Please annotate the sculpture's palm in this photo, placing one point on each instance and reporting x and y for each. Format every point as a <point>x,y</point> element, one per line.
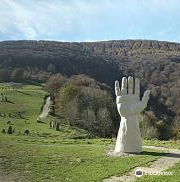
<point>127,99</point>
<point>126,104</point>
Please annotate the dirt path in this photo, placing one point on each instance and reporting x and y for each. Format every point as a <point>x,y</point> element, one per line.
<point>161,164</point>
<point>46,109</point>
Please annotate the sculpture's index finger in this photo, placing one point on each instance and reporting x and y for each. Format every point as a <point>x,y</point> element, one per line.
<point>124,85</point>
<point>137,87</point>
<point>117,88</point>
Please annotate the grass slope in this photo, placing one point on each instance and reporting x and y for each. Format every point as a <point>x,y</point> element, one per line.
<point>29,101</point>
<point>54,156</point>
<point>68,160</point>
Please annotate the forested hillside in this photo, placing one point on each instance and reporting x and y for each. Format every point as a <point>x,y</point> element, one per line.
<point>157,64</point>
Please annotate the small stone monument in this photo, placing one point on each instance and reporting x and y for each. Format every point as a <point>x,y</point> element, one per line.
<point>10,130</point>
<point>129,107</point>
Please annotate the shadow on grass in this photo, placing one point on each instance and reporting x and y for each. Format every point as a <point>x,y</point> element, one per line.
<point>154,153</point>
<point>23,93</point>
<point>168,154</point>
<point>175,155</point>
<point>7,101</point>
<point>10,102</point>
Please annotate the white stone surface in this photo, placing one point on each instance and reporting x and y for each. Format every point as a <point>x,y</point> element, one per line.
<point>129,107</point>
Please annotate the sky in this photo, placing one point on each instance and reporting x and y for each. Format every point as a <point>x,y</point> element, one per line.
<point>89,20</point>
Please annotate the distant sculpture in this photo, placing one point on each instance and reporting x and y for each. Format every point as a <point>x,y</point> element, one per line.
<point>129,107</point>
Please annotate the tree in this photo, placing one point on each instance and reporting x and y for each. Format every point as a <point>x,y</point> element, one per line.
<point>54,83</point>
<point>4,75</point>
<point>17,74</point>
<point>51,68</point>
<point>84,104</point>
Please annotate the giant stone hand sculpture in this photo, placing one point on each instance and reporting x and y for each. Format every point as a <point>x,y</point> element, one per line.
<point>129,107</point>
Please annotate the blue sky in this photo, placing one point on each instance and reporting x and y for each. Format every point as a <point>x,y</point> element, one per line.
<point>90,20</point>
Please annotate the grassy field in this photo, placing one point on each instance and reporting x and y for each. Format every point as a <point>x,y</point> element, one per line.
<point>56,156</point>
<point>29,101</point>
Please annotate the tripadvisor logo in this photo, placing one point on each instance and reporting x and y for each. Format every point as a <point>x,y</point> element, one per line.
<point>139,173</point>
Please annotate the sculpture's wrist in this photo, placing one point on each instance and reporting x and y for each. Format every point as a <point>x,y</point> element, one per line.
<point>128,118</point>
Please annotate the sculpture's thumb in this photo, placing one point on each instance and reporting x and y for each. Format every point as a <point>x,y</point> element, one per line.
<point>145,98</point>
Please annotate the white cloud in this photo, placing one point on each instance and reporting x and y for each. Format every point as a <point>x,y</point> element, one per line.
<point>78,20</point>
<point>43,18</point>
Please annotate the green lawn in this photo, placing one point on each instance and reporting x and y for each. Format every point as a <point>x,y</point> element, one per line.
<point>66,160</point>
<point>170,143</point>
<point>56,156</point>
<point>29,101</point>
